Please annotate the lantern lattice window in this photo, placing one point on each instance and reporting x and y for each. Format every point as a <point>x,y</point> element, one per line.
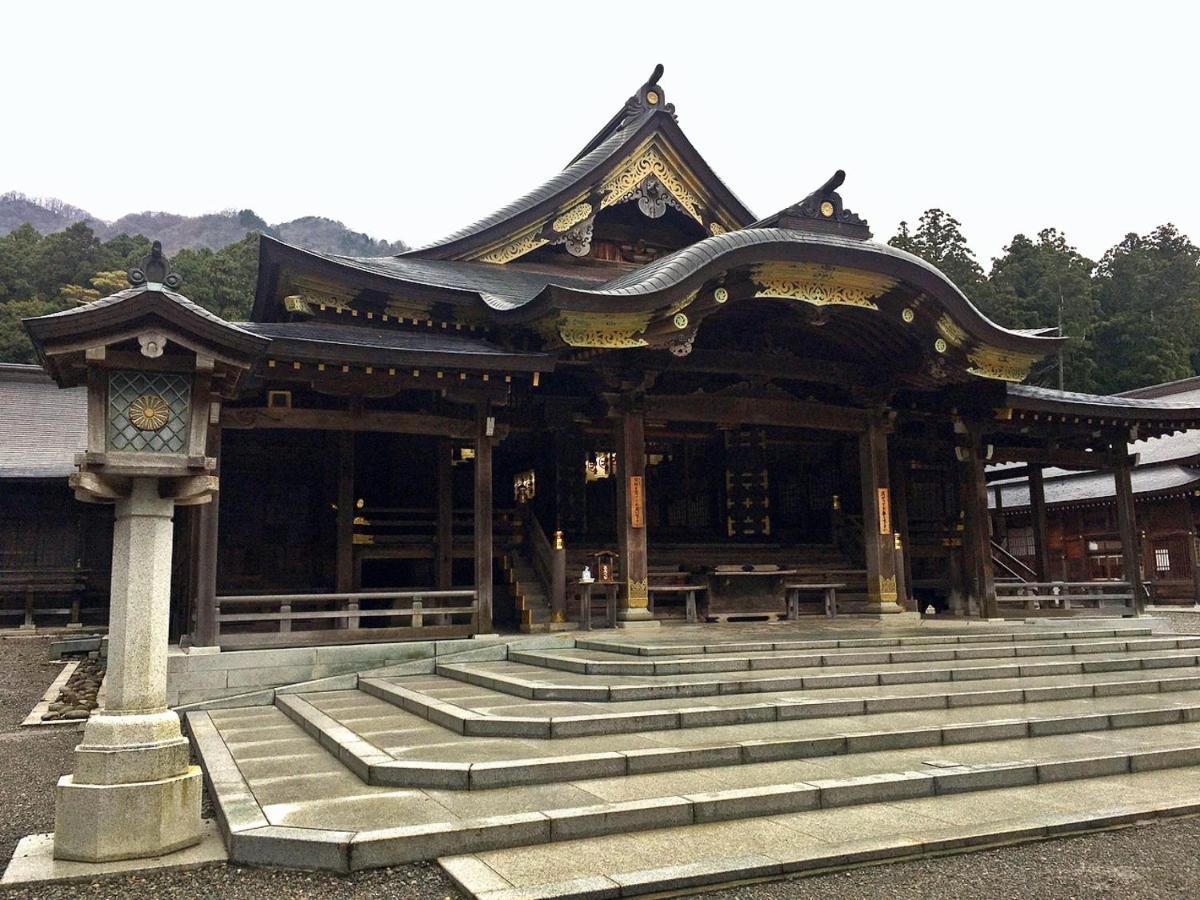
<point>148,412</point>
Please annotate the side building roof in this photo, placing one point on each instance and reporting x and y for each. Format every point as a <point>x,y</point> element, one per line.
<point>42,427</point>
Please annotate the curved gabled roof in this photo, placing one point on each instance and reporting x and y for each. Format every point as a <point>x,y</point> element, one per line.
<point>658,284</point>
<point>499,287</point>
<point>645,115</point>
<point>57,337</point>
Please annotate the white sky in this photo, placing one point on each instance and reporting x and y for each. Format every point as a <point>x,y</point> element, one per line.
<point>410,120</point>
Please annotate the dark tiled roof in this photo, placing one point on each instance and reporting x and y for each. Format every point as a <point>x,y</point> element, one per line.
<point>384,346</point>
<point>501,287</point>
<point>1097,486</point>
<point>1183,389</point>
<point>42,426</point>
<point>673,268</point>
<point>1169,447</point>
<point>636,120</point>
<point>576,172</point>
<point>113,299</point>
<point>1048,397</point>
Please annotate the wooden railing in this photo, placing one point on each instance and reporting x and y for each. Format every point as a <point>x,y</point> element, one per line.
<point>1065,598</point>
<point>549,562</point>
<point>1011,565</point>
<point>42,591</point>
<point>270,620</point>
<point>385,525</point>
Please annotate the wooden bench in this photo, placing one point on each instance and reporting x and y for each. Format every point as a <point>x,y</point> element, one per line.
<point>829,590</point>
<point>674,581</point>
<point>47,584</point>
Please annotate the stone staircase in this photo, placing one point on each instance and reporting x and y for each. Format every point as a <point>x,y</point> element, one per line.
<point>530,600</point>
<point>701,755</point>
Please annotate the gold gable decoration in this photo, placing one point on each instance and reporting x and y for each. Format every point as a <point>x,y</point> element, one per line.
<point>572,217</point>
<point>820,285</point>
<point>951,331</point>
<point>519,247</point>
<point>988,362</point>
<point>650,162</point>
<point>613,331</point>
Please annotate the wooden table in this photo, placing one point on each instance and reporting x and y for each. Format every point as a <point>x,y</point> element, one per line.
<point>739,592</point>
<point>794,588</point>
<point>585,603</point>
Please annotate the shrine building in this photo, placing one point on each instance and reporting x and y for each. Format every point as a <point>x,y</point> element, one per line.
<point>624,369</point>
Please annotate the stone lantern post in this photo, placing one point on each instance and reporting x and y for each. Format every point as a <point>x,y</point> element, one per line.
<point>156,367</point>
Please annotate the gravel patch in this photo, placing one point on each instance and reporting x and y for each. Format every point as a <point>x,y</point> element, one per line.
<point>33,758</point>
<point>422,881</point>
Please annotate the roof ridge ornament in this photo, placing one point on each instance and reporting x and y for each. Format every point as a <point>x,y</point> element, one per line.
<point>154,270</point>
<point>822,210</point>
<point>649,97</point>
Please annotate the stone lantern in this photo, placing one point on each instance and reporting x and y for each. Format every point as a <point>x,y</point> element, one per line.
<point>156,367</point>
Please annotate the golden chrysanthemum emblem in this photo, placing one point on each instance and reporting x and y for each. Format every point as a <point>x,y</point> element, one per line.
<point>149,412</point>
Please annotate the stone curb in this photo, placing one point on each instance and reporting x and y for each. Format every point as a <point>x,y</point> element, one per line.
<point>633,649</point>
<point>533,690</point>
<point>468,722</point>
<point>728,663</point>
<point>476,879</point>
<point>374,766</point>
<point>34,719</point>
<point>233,801</point>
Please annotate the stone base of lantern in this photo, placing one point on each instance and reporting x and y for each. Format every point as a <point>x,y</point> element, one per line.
<point>106,822</point>
<point>133,793</point>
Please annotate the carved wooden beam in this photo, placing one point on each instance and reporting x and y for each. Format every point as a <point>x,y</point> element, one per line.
<point>347,420</point>
<point>755,411</point>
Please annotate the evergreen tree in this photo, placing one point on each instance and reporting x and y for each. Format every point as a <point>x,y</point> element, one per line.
<point>17,250</point>
<point>222,281</point>
<point>71,256</point>
<point>939,240</point>
<point>1148,296</point>
<point>1036,282</point>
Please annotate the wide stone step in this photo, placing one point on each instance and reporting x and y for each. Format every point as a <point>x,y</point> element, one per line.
<point>975,635</point>
<point>591,662</point>
<point>535,683</point>
<point>386,745</point>
<point>282,800</point>
<point>708,855</point>
<point>483,712</point>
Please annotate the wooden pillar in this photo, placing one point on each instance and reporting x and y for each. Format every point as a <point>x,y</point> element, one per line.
<point>483,520</point>
<point>444,562</point>
<point>345,512</point>
<point>878,534</point>
<point>977,534</point>
<point>1127,526</point>
<point>898,473</point>
<point>1194,563</point>
<point>634,600</point>
<point>1037,512</point>
<point>208,632</point>
<point>999,524</point>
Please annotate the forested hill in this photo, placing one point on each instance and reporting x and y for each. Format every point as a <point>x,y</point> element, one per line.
<point>211,231</point>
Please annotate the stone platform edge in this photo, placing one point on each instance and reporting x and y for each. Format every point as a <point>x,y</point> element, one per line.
<point>478,880</point>
<point>252,839</point>
<point>211,680</point>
